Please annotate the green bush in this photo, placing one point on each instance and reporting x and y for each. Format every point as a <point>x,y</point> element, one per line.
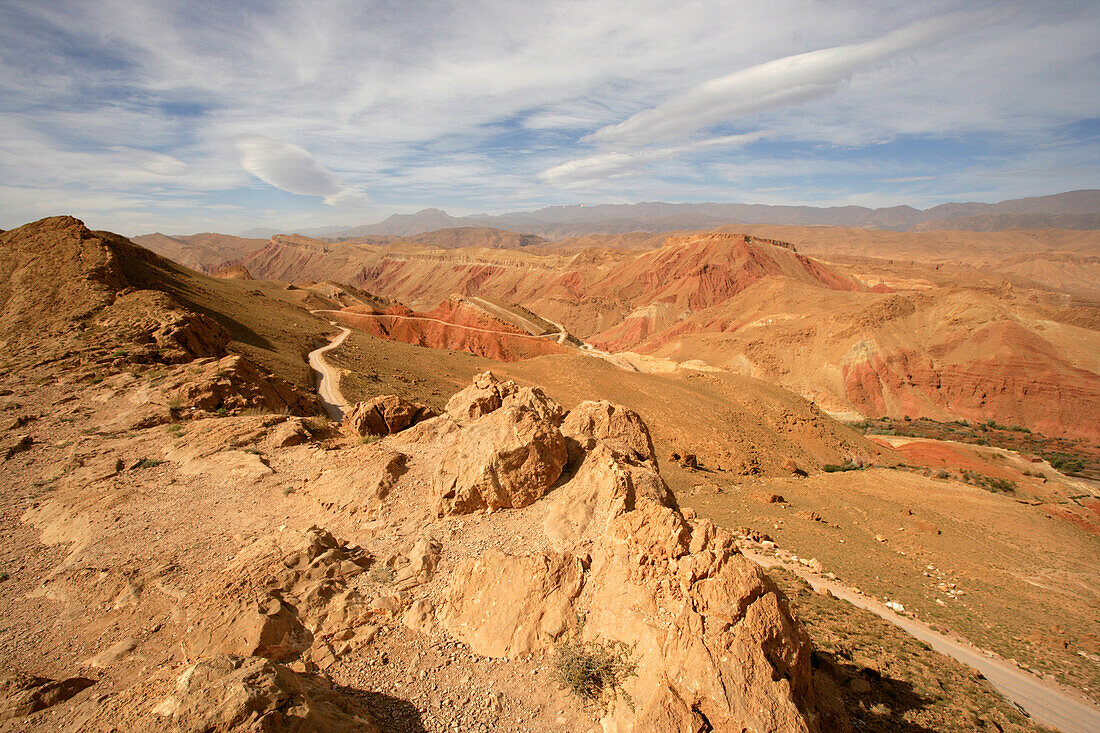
<point>594,670</point>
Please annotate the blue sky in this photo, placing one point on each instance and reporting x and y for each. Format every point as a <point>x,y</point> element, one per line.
<point>181,117</point>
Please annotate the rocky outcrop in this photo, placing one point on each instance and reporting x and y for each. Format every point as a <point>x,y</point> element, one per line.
<point>505,459</point>
<point>233,383</point>
<point>607,484</point>
<point>711,641</point>
<point>384,415</point>
<point>590,423</point>
<point>230,694</point>
<point>487,393</point>
<point>152,318</point>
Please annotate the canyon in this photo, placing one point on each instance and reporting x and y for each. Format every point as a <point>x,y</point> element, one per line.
<point>543,458</point>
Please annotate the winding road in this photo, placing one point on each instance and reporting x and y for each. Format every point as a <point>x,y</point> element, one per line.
<point>327,377</point>
<point>1045,702</point>
<point>445,323</point>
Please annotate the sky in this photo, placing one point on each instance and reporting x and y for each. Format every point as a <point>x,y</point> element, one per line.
<point>180,117</point>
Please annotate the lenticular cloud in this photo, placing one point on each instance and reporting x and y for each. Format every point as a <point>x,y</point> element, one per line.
<point>290,168</point>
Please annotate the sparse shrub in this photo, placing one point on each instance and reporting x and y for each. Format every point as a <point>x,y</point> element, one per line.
<point>223,411</point>
<point>148,463</point>
<point>989,483</point>
<point>381,574</point>
<point>1064,463</point>
<point>288,490</point>
<point>594,670</point>
<point>943,474</point>
<point>119,353</point>
<point>368,439</point>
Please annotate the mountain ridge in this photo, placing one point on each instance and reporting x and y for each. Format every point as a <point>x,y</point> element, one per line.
<point>1071,209</point>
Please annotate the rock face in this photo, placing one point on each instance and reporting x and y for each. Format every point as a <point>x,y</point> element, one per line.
<point>505,459</point>
<point>384,415</point>
<point>507,606</point>
<point>22,694</point>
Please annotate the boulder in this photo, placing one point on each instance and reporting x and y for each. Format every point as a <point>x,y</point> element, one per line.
<point>384,415</point>
<point>422,560</point>
<point>507,606</point>
<point>592,422</point>
<point>792,467</point>
<point>289,433</point>
<point>485,395</point>
<point>508,458</point>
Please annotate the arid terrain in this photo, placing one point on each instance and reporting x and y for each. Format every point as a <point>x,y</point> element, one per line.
<point>577,485</point>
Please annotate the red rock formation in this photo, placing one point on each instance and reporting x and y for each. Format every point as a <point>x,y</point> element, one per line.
<point>454,324</point>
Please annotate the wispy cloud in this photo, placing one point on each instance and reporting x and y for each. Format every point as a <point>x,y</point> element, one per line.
<point>780,83</point>
<point>215,115</point>
<point>609,165</point>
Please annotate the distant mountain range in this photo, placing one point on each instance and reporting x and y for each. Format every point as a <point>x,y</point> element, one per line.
<point>1070,210</point>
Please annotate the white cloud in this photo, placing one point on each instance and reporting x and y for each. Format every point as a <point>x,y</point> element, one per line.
<point>610,165</point>
<point>780,83</point>
<point>463,103</point>
<point>292,169</point>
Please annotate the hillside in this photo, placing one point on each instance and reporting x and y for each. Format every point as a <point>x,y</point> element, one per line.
<point>740,303</point>
<point>204,252</point>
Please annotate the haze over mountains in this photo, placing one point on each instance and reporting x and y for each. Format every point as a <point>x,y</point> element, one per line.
<point>1070,210</point>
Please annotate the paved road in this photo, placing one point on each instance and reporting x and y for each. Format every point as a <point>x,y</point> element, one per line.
<point>328,377</point>
<point>1046,702</point>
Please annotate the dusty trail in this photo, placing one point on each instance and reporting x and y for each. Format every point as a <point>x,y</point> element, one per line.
<point>445,323</point>
<point>328,377</point>
<point>1046,702</point>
